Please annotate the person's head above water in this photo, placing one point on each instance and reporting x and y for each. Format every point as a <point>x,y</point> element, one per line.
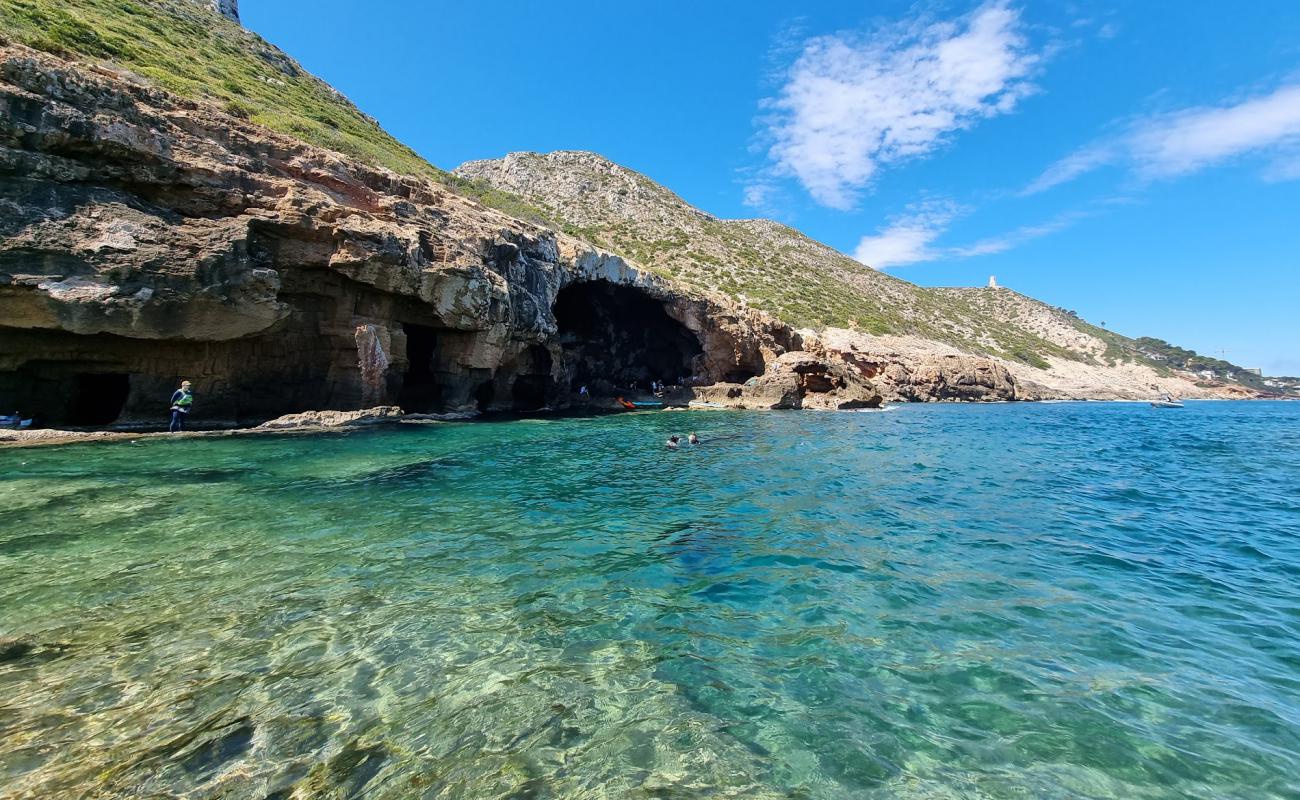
<point>693,439</point>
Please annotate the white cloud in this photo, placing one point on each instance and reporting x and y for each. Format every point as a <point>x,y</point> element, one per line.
<point>758,193</point>
<point>852,103</point>
<point>1190,140</point>
<point>907,238</point>
<point>1179,143</point>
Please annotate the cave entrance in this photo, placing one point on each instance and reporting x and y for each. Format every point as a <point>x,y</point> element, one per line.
<point>532,387</point>
<point>98,398</point>
<point>618,336</point>
<point>65,393</point>
<point>420,389</point>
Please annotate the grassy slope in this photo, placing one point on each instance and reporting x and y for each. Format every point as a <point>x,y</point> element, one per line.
<point>193,52</point>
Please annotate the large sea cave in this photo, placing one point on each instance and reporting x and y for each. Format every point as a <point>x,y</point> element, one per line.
<point>617,336</point>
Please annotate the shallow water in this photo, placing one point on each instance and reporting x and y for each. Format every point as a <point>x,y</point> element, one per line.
<point>1047,601</point>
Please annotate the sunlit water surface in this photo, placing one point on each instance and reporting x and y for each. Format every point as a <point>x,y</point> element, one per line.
<point>1042,601</point>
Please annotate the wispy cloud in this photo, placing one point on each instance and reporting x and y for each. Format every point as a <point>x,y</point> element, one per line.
<point>852,103</point>
<point>1080,162</point>
<point>910,238</point>
<point>907,238</point>
<point>1017,237</point>
<point>1179,143</point>
<point>1283,169</point>
<point>758,193</point>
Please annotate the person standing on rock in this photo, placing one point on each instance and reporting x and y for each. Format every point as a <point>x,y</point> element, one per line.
<point>182,401</point>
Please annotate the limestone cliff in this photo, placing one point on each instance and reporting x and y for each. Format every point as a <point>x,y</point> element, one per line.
<point>147,238</point>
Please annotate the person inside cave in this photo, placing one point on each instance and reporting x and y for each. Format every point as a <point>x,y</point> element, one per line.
<point>182,402</point>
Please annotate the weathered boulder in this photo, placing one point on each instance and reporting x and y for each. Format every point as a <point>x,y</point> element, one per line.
<point>951,377</point>
<point>923,378</point>
<point>797,380</point>
<point>334,419</point>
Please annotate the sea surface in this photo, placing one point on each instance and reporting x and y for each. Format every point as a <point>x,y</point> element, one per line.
<point>1001,601</point>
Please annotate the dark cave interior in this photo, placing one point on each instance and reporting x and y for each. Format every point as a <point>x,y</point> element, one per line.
<point>616,336</point>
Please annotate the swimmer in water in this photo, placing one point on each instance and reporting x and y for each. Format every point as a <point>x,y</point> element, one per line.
<point>671,444</point>
<point>693,439</point>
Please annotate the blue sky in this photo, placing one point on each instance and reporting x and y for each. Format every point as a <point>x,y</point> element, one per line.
<point>1136,162</point>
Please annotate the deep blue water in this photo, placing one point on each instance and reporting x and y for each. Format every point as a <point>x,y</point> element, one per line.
<point>1006,601</point>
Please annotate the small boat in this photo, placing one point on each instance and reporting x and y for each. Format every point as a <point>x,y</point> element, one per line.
<point>1166,402</point>
<point>15,422</point>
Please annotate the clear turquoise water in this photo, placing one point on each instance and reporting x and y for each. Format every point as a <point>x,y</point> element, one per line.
<point>1043,601</point>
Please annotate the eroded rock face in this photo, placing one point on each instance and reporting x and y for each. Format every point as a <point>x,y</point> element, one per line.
<point>929,378</point>
<point>797,380</point>
<point>334,419</point>
<point>147,239</point>
<point>226,8</point>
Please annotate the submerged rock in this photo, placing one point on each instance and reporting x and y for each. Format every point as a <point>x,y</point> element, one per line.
<point>14,649</point>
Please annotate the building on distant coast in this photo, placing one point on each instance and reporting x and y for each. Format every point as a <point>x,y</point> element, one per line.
<point>993,281</point>
<point>1253,371</point>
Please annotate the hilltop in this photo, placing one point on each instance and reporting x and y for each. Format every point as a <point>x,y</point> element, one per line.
<point>776,269</point>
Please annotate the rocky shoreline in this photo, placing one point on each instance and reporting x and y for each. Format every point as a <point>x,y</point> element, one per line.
<point>722,398</point>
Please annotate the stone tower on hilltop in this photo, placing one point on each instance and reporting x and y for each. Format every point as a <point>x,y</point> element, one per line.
<point>226,8</point>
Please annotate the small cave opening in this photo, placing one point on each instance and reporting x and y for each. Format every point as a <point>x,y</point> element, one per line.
<point>532,387</point>
<point>618,336</point>
<point>98,398</point>
<point>420,390</point>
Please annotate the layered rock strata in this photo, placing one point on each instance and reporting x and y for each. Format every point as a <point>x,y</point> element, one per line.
<point>146,239</point>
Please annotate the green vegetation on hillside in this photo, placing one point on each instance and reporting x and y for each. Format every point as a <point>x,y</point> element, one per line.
<point>1176,357</point>
<point>198,54</point>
